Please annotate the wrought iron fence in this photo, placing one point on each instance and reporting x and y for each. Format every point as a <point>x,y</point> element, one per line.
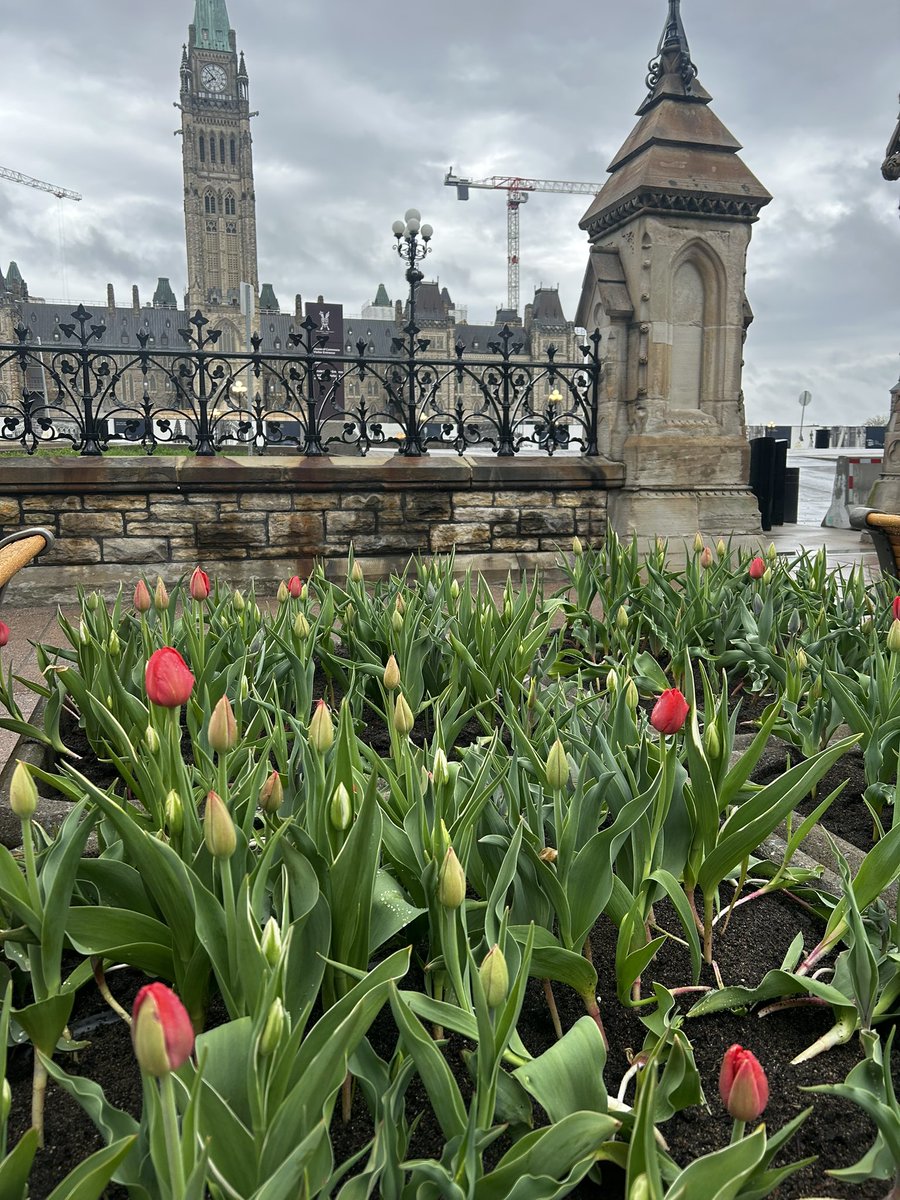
<point>77,393</point>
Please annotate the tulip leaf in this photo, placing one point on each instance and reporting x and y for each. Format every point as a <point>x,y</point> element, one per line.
<point>550,960</point>
<point>285,1182</point>
<point>16,1167</point>
<point>442,1088</point>
<point>14,892</point>
<point>89,1179</point>
<point>568,1077</point>
<point>774,984</point>
<point>548,1163</point>
<point>722,1174</point>
<point>45,1020</point>
<point>127,936</point>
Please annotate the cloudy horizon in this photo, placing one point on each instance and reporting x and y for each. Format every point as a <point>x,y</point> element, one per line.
<point>361,115</point>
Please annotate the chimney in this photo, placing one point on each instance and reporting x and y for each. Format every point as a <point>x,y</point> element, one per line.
<point>298,306</point>
<point>110,298</point>
<point>135,301</point>
<point>529,309</point>
<point>320,300</point>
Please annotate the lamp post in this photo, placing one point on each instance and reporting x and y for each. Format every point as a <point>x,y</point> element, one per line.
<point>412,246</point>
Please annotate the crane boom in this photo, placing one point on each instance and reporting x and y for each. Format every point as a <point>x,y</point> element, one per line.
<point>517,188</point>
<point>61,193</point>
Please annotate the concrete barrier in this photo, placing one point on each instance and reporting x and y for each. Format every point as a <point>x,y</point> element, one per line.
<point>854,478</point>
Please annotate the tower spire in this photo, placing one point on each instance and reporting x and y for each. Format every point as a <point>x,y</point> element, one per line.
<point>672,64</point>
<point>212,24</point>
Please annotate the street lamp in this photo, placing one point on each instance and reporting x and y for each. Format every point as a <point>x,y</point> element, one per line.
<point>412,246</point>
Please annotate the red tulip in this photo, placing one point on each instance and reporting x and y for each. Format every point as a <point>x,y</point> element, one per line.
<point>742,1084</point>
<point>142,600</point>
<point>4,633</point>
<point>669,712</point>
<point>199,585</point>
<point>161,1030</point>
<point>757,568</point>
<point>295,587</point>
<point>168,678</point>
<point>896,608</point>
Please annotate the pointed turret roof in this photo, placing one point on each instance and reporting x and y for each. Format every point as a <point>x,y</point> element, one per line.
<point>164,297</point>
<point>13,274</point>
<point>211,16</point>
<point>268,301</point>
<point>382,300</point>
<point>679,157</point>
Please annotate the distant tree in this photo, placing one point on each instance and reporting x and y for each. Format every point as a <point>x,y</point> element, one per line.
<point>878,419</point>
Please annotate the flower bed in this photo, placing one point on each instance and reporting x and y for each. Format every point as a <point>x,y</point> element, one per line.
<point>460,895</point>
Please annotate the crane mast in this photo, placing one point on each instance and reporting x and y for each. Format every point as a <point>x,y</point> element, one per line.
<point>517,189</point>
<point>60,193</point>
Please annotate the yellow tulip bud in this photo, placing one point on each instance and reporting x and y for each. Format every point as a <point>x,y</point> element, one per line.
<point>557,766</point>
<point>631,695</point>
<point>640,1189</point>
<point>454,589</point>
<point>451,888</point>
<point>391,676</point>
<point>893,637</point>
<point>532,695</point>
<point>151,740</point>
<point>283,594</point>
<point>400,605</point>
<point>321,728</point>
<point>23,793</point>
<point>721,548</point>
<point>160,595</point>
<point>440,768</point>
<point>222,729</point>
<point>397,621</point>
<point>356,574</point>
<point>612,680</point>
<point>301,627</point>
<point>577,548</point>
<point>271,794</point>
<point>698,542</point>
<point>238,603</point>
<point>403,716</point>
<point>711,741</point>
<point>218,827</point>
<point>115,646</point>
<point>622,618</point>
<point>548,855</point>
<point>772,552</point>
<point>800,660</point>
<point>494,975</point>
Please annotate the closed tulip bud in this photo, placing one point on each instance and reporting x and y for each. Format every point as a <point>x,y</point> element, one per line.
<point>356,574</point>
<point>199,585</point>
<point>391,676</point>
<point>218,827</point>
<point>23,794</point>
<point>772,552</point>
<point>548,855</point>
<point>238,603</point>
<point>4,633</point>
<point>669,712</point>
<point>222,731</point>
<point>454,589</point>
<point>640,1189</point>
<point>282,595</point>
<point>142,600</point>
<point>531,699</point>
<point>815,692</point>
<point>349,614</point>
<point>622,618</point>
<point>757,568</point>
<point>612,681</point>
<point>632,698</point>
<point>294,587</point>
<point>304,593</point>
<point>270,943</point>
<point>895,608</point>
<point>161,1030</point>
<point>794,623</point>
<point>174,813</point>
<point>92,601</point>
<point>801,662</point>
<point>721,548</point>
<point>577,548</point>
<point>160,595</point>
<point>698,542</point>
<point>757,605</point>
<point>711,741</point>
<point>706,558</point>
<point>301,627</point>
<point>451,889</point>
<point>893,637</point>
<point>403,716</point>
<point>114,645</point>
<point>440,768</point>
<point>273,1028</point>
<point>425,777</point>
<point>168,678</point>
<point>151,740</point>
<point>244,687</point>
<point>494,975</point>
<point>397,621</point>
<point>271,794</point>
<point>321,728</point>
<point>400,605</point>
<point>340,810</point>
<point>557,767</point>
<point>767,575</point>
<point>742,1084</point>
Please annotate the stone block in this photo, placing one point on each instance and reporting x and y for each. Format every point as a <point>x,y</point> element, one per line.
<point>32,504</point>
<point>392,542</point>
<point>264,502</point>
<point>229,532</point>
<point>489,516</point>
<point>514,543</point>
<point>547,520</point>
<point>505,529</point>
<point>379,501</point>
<point>131,502</point>
<point>464,499</point>
<point>73,550</point>
<point>135,550</point>
<point>90,523</point>
<point>472,537</point>
<point>316,501</point>
<point>570,499</point>
<point>9,512</point>
<point>427,506</point>
<point>349,524</point>
<point>159,528</point>
<point>172,509</point>
<point>297,533</point>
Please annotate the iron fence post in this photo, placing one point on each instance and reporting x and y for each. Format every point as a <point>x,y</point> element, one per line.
<point>591,449</point>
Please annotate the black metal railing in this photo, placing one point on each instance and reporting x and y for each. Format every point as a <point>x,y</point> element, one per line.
<point>84,393</point>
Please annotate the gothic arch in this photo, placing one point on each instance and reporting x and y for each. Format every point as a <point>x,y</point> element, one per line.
<point>697,308</point>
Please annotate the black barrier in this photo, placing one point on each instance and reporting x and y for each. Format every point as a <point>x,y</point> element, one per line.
<point>823,439</point>
<point>791,495</point>
<point>779,468</point>
<point>762,468</point>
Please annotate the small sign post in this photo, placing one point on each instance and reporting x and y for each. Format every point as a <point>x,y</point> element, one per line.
<point>805,399</point>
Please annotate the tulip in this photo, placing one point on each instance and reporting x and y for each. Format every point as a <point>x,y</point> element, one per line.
<point>301,627</point>
<point>222,731</point>
<point>356,574</point>
<point>757,568</point>
<point>271,794</point>
<point>794,624</point>
<point>238,603</point>
<point>706,558</point>
<point>4,633</point>
<point>557,767</point>
<point>282,595</point>
<point>403,716</point>
<point>142,601</point>
<point>440,769</point>
<point>631,694</point>
<point>669,712</point>
<point>698,542</point>
<point>451,888</point>
<point>168,678</point>
<point>340,811</point>
<point>400,605</point>
<point>494,975</point>
<point>721,548</point>
<point>757,605</point>
<point>151,740</point>
<point>548,854</point>
<point>577,548</point>
<point>612,680</point>
<point>161,1030</point>
<point>893,637</point>
<point>271,943</point>
<point>397,621</point>
<point>391,676</point>
<point>174,813</point>
<point>801,662</point>
<point>218,827</point>
<point>199,585</point>
<point>895,608</point>
<point>711,741</point>
<point>273,1028</point>
<point>742,1084</point>
<point>454,589</point>
<point>622,618</point>
<point>294,587</point>
<point>160,595</point>
<point>113,645</point>
<point>321,728</point>
<point>772,552</point>
<point>767,575</point>
<point>23,794</point>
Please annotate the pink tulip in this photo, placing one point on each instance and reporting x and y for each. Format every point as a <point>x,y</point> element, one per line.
<point>669,712</point>
<point>161,1030</point>
<point>295,587</point>
<point>896,608</point>
<point>142,599</point>
<point>199,585</point>
<point>4,633</point>
<point>757,568</point>
<point>168,678</point>
<point>742,1084</point>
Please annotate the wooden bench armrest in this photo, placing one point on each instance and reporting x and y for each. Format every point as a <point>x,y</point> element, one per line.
<point>884,529</point>
<point>18,549</point>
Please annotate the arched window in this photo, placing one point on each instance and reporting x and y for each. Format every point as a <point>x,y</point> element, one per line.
<point>233,152</point>
<point>202,148</point>
<point>696,343</point>
<point>212,148</point>
<point>209,203</point>
<point>229,204</point>
<point>222,150</point>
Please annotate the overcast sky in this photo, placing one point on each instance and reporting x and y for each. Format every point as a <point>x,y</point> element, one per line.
<point>363,107</point>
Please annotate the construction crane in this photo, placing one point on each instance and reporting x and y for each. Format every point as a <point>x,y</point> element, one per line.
<point>517,189</point>
<point>60,193</point>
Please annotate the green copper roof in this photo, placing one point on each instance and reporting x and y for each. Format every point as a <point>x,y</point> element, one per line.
<point>381,297</point>
<point>13,275</point>
<point>164,297</point>
<point>212,16</point>
<point>268,302</point>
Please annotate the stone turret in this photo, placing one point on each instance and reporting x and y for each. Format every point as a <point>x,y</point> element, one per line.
<point>669,232</point>
<point>268,301</point>
<point>164,297</point>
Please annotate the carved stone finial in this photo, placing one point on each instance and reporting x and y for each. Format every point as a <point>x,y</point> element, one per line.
<point>673,54</point>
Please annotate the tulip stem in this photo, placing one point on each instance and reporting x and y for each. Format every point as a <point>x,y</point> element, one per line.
<point>103,988</point>
<point>38,1094</point>
<point>551,1004</point>
<point>173,1140</point>
<point>737,1131</point>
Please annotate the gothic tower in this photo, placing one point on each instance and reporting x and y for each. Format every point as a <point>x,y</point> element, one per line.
<point>219,197</point>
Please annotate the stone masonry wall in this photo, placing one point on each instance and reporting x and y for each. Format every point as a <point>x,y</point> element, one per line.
<point>116,519</point>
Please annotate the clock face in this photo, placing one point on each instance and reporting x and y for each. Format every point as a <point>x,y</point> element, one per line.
<point>213,77</point>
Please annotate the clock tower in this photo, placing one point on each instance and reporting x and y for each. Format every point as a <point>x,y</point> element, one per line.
<point>219,197</point>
